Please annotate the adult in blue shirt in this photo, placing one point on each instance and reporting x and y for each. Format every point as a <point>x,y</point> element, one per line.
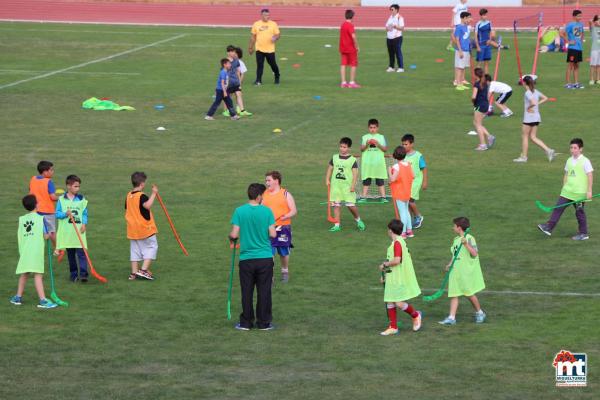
<point>461,37</point>
<point>254,225</point>
<point>573,34</point>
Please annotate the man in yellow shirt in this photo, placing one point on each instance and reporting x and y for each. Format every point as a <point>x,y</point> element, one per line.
<point>264,35</point>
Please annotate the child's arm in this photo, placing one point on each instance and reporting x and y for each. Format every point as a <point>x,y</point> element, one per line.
<point>471,249</point>
<point>328,175</point>
<point>474,95</point>
<point>364,146</point>
<point>224,86</point>
<point>84,220</point>
<point>477,38</point>
<point>150,201</point>
<point>59,214</point>
<point>590,177</point>
<point>291,203</point>
<point>355,41</point>
<point>272,232</point>
<point>393,174</point>
<point>543,99</point>
<point>354,179</point>
<point>425,176</point>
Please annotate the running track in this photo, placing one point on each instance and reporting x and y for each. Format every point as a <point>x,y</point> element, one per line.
<point>287,16</point>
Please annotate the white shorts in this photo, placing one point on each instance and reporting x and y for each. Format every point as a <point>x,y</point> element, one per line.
<point>464,62</point>
<point>144,249</point>
<point>595,58</point>
<point>50,221</point>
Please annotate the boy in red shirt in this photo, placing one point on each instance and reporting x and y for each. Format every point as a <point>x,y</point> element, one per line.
<point>348,51</point>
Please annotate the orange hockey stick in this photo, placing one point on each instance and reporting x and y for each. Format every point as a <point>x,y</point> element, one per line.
<point>87,256</point>
<point>162,205</point>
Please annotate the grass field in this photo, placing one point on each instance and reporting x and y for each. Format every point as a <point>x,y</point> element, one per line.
<point>169,339</point>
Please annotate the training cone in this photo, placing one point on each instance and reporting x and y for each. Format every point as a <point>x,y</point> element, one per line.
<point>439,60</point>
<point>552,99</point>
<point>296,65</point>
<point>276,130</point>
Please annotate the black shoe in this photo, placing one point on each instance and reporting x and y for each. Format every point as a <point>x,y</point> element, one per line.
<point>83,279</point>
<point>277,80</point>
<point>269,327</point>
<point>257,83</point>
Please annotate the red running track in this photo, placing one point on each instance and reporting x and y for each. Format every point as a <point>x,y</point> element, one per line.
<point>286,16</point>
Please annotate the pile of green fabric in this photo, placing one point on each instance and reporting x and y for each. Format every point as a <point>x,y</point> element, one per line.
<point>100,105</point>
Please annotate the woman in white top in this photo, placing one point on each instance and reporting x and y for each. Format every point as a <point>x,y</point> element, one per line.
<point>394,27</point>
<point>531,119</point>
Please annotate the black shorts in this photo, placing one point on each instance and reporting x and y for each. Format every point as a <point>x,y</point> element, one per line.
<point>482,107</point>
<point>574,56</point>
<point>531,123</point>
<point>503,98</point>
<point>367,182</point>
<point>233,89</point>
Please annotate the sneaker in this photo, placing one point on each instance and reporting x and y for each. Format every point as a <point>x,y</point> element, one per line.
<point>417,322</point>
<point>209,118</point>
<point>389,331</point>
<point>285,277</point>
<point>361,225</point>
<point>16,300</point>
<point>276,81</point>
<point>403,235</point>
<point>83,279</point>
<point>491,141</point>
<point>47,304</point>
<point>226,113</point>
<point>578,86</point>
<point>60,255</point>
<point>145,274</point>
<point>520,159</point>
<point>461,87</point>
<point>257,83</point>
<point>450,47</point>
<point>466,83</point>
<point>418,222</point>
<point>481,147</point>
<point>448,321</point>
<point>238,109</point>
<point>507,114</point>
<point>480,317</point>
<point>132,277</point>
<point>504,47</point>
<point>551,155</point>
<point>362,200</point>
<point>545,228</point>
<point>390,69</point>
<point>344,85</point>
<point>335,228</point>
<point>245,113</point>
<point>74,279</point>
<point>383,200</point>
<point>353,85</point>
<point>240,327</point>
<point>568,86</point>
<point>400,70</point>
<point>410,234</point>
<point>592,83</point>
<point>581,236</point>
<point>269,327</point>
<point>235,117</point>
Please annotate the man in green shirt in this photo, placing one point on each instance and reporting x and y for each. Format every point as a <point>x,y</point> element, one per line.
<point>254,225</point>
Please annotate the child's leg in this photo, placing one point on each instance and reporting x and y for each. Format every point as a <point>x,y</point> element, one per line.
<point>352,74</point>
<point>337,214</point>
<point>146,265</point>
<point>366,185</point>
<point>569,69</point>
<point>240,100</point>
<point>407,308</point>
<point>453,307</point>
<point>381,188</point>
<point>525,140</point>
<point>229,105</point>
<point>581,218</point>
<point>392,315</point>
<point>343,73</point>
<point>73,270</point>
<point>39,285</point>
<point>475,302</point>
<point>405,216</point>
<point>354,211</point>
<point>134,267</point>
<point>215,105</point>
<point>412,205</point>
<point>576,72</point>
<point>537,141</point>
<point>501,106</point>
<point>557,213</point>
<point>486,66</point>
<point>285,262</point>
<point>83,271</point>
<point>21,284</point>
<point>478,123</point>
<point>457,78</point>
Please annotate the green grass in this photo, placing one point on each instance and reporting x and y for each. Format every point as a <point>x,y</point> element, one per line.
<point>170,339</point>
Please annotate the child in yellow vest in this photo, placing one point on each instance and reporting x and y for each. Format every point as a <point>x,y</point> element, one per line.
<point>32,233</point>
<point>400,280</point>
<point>466,278</point>
<point>73,204</point>
<point>577,185</point>
<point>141,228</point>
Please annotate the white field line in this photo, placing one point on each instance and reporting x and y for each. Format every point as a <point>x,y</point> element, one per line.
<point>85,64</point>
<point>22,71</point>
<point>519,293</point>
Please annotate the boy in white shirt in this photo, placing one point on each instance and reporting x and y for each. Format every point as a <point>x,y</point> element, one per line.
<point>504,92</point>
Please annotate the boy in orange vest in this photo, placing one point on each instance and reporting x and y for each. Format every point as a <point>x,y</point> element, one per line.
<point>141,229</point>
<point>401,179</point>
<point>42,187</point>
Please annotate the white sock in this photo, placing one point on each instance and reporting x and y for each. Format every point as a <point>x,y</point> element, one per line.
<point>357,219</point>
<point>480,312</point>
<point>351,82</point>
<point>337,224</point>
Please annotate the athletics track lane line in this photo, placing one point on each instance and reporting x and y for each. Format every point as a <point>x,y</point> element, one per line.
<point>85,64</point>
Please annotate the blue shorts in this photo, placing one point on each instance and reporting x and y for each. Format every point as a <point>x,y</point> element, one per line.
<point>283,251</point>
<point>485,54</point>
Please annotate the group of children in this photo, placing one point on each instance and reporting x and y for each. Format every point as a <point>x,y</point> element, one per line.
<point>45,205</point>
<point>406,178</point>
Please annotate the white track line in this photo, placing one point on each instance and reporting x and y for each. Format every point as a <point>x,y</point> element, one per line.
<point>519,293</point>
<point>85,64</point>
<point>22,71</point>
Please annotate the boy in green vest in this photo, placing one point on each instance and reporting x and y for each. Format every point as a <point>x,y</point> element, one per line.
<point>417,161</point>
<point>73,203</point>
<point>372,166</point>
<point>32,234</point>
<point>341,177</point>
<point>577,185</point>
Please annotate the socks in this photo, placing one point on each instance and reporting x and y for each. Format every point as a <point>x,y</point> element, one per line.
<point>357,220</point>
<point>392,316</point>
<point>284,271</point>
<point>410,310</point>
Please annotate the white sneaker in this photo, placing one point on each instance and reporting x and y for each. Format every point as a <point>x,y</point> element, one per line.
<point>507,114</point>
<point>209,118</point>
<point>520,159</point>
<point>390,69</point>
<point>400,70</point>
<point>551,155</point>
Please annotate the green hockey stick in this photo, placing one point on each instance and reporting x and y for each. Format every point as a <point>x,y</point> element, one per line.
<point>53,294</point>
<point>549,209</point>
<point>440,291</point>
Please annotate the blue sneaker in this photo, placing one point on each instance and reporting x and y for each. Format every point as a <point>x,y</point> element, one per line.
<point>448,321</point>
<point>269,327</point>
<point>16,300</point>
<point>240,327</point>
<point>47,304</point>
<point>418,221</point>
<point>480,317</point>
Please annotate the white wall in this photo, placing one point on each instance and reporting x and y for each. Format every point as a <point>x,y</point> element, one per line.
<point>442,3</point>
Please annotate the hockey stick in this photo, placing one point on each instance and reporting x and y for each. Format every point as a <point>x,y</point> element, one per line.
<point>53,294</point>
<point>549,209</point>
<point>329,217</point>
<point>162,205</point>
<point>440,291</point>
<point>87,256</point>
<point>233,250</point>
